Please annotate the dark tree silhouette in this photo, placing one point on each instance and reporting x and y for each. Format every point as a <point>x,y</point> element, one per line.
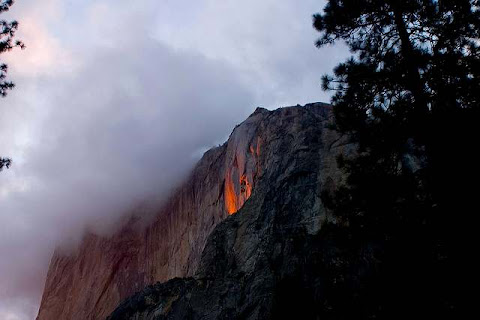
<point>408,97</point>
<point>7,34</point>
<point>5,163</point>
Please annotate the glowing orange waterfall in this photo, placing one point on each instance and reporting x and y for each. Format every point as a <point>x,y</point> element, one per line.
<point>239,178</point>
<point>230,194</point>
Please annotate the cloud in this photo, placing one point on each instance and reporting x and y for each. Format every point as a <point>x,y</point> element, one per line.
<point>115,101</point>
<point>269,42</point>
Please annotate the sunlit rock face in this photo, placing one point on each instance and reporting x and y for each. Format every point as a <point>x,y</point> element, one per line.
<point>242,159</point>
<point>91,283</point>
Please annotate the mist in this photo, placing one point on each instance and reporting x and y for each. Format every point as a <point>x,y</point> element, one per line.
<point>115,102</point>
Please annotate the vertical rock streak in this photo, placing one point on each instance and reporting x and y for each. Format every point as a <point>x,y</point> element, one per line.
<point>240,178</point>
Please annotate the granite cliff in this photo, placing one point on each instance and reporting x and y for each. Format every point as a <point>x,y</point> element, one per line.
<point>231,258</point>
<point>285,255</point>
<point>262,262</point>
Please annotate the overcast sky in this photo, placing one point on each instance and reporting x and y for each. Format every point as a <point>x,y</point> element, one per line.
<point>116,100</point>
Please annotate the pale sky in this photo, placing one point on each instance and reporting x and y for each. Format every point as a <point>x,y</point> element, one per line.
<point>116,100</point>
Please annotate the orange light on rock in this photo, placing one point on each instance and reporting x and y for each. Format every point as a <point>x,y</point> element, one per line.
<point>230,195</point>
<point>240,175</point>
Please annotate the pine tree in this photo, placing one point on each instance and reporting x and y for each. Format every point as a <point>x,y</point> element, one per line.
<point>408,97</point>
<point>7,33</point>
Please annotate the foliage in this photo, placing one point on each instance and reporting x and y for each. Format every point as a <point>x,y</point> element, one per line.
<point>5,163</point>
<point>408,97</point>
<point>7,33</point>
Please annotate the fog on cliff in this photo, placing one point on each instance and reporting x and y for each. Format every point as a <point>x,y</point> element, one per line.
<point>116,100</point>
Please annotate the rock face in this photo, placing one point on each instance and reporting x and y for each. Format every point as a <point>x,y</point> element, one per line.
<point>263,262</point>
<point>280,161</point>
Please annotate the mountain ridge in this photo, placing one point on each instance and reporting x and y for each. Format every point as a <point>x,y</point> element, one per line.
<point>106,271</point>
<point>250,257</point>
